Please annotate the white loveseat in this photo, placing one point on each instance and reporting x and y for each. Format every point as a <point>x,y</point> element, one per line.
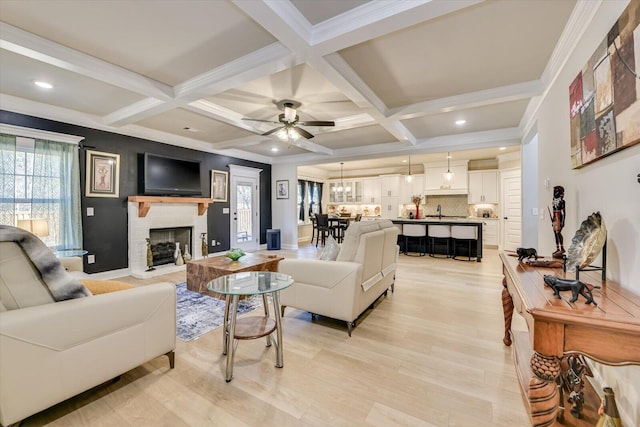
<point>343,289</point>
<point>50,351</point>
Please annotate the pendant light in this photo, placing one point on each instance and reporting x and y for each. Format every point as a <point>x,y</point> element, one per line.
<point>448,175</point>
<point>409,178</point>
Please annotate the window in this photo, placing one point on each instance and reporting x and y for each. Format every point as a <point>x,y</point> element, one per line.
<point>309,193</point>
<point>302,195</point>
<point>40,179</point>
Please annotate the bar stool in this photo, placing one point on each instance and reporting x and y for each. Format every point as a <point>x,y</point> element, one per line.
<point>464,233</point>
<point>440,232</point>
<point>415,230</point>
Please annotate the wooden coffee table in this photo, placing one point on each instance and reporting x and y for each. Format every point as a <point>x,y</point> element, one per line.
<point>202,271</point>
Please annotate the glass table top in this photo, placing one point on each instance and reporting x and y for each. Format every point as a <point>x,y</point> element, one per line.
<point>250,283</point>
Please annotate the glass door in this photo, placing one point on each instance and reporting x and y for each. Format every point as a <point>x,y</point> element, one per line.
<point>245,221</point>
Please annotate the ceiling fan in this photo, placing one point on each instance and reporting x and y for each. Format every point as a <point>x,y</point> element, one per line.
<point>289,120</point>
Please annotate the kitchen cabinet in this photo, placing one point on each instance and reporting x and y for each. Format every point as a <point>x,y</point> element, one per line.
<point>483,187</point>
<point>436,184</point>
<point>490,231</point>
<point>345,191</point>
<point>389,207</point>
<point>371,190</point>
<point>410,189</point>
<point>390,185</point>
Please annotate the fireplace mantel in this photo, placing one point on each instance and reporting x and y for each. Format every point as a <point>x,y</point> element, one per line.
<point>144,202</point>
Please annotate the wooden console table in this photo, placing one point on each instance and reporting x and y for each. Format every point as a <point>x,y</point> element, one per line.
<point>608,333</point>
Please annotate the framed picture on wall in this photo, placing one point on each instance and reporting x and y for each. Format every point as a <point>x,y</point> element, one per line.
<point>219,183</point>
<point>282,189</point>
<point>103,174</point>
<point>604,98</point>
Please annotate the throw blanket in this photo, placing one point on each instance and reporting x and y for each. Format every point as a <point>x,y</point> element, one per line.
<point>61,285</point>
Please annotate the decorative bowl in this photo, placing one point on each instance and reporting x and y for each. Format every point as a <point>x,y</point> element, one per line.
<point>235,254</point>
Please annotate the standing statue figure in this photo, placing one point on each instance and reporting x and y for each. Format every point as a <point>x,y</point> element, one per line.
<point>149,255</point>
<point>205,249</point>
<point>557,220</point>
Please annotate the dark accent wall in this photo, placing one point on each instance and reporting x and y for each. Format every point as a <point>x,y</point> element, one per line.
<point>105,233</point>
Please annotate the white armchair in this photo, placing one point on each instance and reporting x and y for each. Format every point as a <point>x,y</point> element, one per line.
<point>50,351</point>
<point>343,289</point>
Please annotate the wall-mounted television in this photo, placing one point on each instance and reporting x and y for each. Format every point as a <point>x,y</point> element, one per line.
<point>171,176</point>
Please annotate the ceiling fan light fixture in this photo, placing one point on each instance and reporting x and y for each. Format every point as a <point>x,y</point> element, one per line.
<point>289,114</point>
<point>292,134</point>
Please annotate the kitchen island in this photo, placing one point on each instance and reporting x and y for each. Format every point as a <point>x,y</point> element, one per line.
<point>470,222</point>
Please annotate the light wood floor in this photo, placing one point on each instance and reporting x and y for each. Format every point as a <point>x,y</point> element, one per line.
<point>430,354</point>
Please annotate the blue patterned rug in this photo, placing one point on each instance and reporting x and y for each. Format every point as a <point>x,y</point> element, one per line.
<point>197,314</point>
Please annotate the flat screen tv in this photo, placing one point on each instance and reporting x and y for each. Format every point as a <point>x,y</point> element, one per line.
<point>171,176</point>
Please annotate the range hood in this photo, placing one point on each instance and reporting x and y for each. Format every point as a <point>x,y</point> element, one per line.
<point>445,191</point>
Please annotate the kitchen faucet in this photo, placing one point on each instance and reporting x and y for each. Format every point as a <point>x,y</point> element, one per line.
<point>439,210</point>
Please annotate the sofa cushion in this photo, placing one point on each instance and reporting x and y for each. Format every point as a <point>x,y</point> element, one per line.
<point>331,250</point>
<point>20,283</point>
<point>351,239</point>
<point>104,286</point>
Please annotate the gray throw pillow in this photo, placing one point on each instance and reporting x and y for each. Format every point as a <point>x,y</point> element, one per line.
<point>331,250</point>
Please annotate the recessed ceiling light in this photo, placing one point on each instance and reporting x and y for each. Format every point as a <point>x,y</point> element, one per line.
<point>275,149</point>
<point>404,161</point>
<point>449,156</point>
<point>43,85</point>
<point>460,122</point>
<point>502,148</point>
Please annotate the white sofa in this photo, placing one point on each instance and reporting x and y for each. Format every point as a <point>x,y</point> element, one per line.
<point>50,351</point>
<point>343,289</point>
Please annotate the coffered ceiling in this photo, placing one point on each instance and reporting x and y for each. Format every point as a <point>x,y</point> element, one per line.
<point>393,75</point>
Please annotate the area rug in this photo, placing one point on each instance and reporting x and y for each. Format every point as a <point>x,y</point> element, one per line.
<point>197,314</point>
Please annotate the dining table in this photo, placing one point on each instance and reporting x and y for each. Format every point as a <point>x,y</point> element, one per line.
<point>338,226</point>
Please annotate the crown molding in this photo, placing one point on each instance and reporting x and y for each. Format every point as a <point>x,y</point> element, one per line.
<point>39,134</point>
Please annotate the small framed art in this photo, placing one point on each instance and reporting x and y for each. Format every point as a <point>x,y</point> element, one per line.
<point>219,183</point>
<point>282,189</point>
<point>103,174</point>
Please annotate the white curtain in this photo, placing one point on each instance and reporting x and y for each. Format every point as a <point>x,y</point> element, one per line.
<point>41,179</point>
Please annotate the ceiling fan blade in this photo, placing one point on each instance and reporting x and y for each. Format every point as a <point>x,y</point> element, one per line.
<point>303,132</point>
<point>317,123</point>
<point>262,121</point>
<point>274,130</point>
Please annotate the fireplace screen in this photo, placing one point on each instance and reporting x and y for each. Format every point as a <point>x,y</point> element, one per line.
<point>164,242</point>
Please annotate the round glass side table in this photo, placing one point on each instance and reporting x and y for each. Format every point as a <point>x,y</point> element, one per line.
<point>232,286</point>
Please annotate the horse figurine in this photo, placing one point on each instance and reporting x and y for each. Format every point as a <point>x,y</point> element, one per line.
<point>575,286</point>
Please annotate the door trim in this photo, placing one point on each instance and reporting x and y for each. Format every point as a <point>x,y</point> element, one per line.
<point>235,172</point>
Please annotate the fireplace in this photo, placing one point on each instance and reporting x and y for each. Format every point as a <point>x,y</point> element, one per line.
<point>161,216</point>
<point>163,243</point>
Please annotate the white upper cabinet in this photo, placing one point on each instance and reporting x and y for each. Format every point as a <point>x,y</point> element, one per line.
<point>371,190</point>
<point>345,191</point>
<point>390,185</point>
<point>436,184</point>
<point>483,187</point>
<point>410,189</point>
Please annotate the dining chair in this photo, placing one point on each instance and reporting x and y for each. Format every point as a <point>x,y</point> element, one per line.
<point>314,230</point>
<point>322,221</point>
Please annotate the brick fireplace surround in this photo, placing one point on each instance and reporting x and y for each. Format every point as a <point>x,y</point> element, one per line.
<point>161,215</point>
